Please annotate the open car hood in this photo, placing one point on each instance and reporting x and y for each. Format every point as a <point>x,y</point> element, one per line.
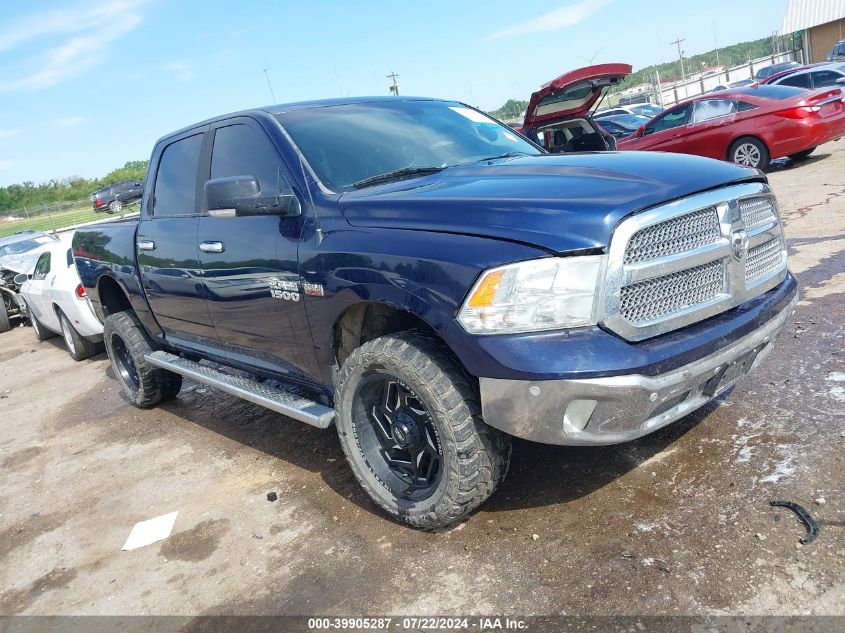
<point>573,94</point>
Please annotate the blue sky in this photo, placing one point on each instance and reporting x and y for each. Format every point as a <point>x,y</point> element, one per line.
<point>88,85</point>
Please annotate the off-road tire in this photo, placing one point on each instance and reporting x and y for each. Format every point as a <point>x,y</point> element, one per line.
<point>77,345</point>
<point>5,325</point>
<point>41,332</point>
<point>739,146</point>
<point>153,384</point>
<point>475,456</point>
<point>797,156</point>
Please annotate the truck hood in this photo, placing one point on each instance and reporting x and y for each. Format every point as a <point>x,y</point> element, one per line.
<point>556,202</point>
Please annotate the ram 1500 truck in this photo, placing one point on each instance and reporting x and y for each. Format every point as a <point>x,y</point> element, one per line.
<point>431,283</point>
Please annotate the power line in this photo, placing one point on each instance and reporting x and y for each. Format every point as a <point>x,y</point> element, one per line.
<point>269,85</point>
<point>677,43</point>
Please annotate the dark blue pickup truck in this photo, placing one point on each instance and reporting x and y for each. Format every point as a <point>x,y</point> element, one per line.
<point>432,283</point>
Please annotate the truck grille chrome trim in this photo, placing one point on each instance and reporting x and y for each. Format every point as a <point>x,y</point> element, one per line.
<point>688,260</point>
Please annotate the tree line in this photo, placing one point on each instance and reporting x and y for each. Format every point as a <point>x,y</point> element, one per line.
<point>29,194</point>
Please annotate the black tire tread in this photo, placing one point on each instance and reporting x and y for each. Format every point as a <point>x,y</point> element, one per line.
<point>156,384</point>
<point>5,324</point>
<point>41,332</point>
<point>483,452</point>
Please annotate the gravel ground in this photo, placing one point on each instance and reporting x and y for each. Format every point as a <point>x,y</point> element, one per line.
<point>677,522</point>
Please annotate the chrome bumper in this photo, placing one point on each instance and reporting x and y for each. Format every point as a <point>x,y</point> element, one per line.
<point>616,409</point>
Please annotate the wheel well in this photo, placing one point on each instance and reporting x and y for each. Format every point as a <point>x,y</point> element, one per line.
<point>112,297</point>
<point>367,321</point>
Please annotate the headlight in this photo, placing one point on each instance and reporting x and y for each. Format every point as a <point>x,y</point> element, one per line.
<point>531,296</point>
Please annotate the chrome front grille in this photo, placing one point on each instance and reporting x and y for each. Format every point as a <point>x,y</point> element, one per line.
<point>685,261</point>
<point>661,296</point>
<point>677,235</point>
<point>757,211</point>
<point>763,259</point>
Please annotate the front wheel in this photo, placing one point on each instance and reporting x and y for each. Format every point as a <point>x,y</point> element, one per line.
<point>409,423</point>
<point>5,324</point>
<point>41,332</point>
<point>749,152</point>
<point>126,343</point>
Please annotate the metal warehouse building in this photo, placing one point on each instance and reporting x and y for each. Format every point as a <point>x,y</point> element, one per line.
<point>821,23</point>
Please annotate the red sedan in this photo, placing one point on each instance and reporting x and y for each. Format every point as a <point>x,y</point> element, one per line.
<point>749,125</point>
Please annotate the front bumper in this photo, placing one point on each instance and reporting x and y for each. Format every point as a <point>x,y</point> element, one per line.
<point>614,409</point>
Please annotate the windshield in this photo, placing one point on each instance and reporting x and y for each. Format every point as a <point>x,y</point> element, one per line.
<point>647,110</point>
<point>350,143</point>
<point>16,248</point>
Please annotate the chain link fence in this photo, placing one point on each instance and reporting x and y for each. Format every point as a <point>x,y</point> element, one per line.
<point>55,216</point>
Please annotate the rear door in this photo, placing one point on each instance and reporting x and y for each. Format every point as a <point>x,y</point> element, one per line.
<point>711,129</point>
<point>167,242</point>
<point>249,263</point>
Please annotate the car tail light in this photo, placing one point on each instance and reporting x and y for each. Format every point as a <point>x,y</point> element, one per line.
<point>99,202</point>
<point>801,112</point>
<point>80,291</point>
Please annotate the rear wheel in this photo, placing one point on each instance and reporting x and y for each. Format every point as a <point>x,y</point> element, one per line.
<point>5,325</point>
<point>803,154</point>
<point>749,152</point>
<point>410,425</point>
<point>126,343</point>
<point>116,206</point>
<point>78,346</point>
<point>41,332</point>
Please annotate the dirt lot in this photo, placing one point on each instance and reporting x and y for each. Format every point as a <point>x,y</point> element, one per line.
<point>678,522</point>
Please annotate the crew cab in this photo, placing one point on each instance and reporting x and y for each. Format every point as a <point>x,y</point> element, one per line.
<point>429,282</point>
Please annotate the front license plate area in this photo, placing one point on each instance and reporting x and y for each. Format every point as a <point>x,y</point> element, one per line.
<point>728,377</point>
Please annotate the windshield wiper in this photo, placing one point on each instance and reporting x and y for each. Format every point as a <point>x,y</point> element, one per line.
<point>506,155</point>
<point>405,172</point>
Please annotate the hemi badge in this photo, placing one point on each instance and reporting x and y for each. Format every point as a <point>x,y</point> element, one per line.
<point>315,290</point>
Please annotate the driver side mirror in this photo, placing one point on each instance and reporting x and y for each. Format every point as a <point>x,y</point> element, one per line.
<point>640,131</point>
<point>241,196</point>
<point>22,278</point>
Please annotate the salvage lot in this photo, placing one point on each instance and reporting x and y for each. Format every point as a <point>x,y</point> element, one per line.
<point>678,522</point>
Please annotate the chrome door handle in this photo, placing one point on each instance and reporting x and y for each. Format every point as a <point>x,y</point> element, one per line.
<point>212,247</point>
<point>146,245</point>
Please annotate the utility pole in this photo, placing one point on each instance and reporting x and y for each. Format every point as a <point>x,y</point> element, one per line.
<point>716,43</point>
<point>394,89</point>
<point>677,43</point>
<point>265,68</point>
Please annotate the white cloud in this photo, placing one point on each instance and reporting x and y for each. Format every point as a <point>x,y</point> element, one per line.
<point>6,164</point>
<point>7,132</point>
<point>561,18</point>
<point>86,36</point>
<point>180,70</point>
<point>68,121</point>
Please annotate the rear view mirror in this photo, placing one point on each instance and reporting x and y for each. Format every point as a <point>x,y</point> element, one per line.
<point>242,196</point>
<point>640,131</point>
<point>21,279</point>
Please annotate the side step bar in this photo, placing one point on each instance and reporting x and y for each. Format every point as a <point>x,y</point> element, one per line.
<point>282,399</point>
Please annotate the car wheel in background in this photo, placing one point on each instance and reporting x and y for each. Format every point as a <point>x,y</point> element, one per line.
<point>409,422</point>
<point>802,155</point>
<point>116,206</point>
<point>78,346</point>
<point>749,152</point>
<point>5,326</point>
<point>41,332</point>
<point>126,343</point>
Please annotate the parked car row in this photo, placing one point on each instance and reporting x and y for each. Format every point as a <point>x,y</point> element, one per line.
<point>43,285</point>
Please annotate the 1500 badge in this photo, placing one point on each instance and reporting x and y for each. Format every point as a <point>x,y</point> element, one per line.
<point>280,289</point>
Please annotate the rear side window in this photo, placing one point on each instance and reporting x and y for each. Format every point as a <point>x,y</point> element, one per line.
<point>744,106</point>
<point>241,150</point>
<point>176,181</point>
<point>825,78</point>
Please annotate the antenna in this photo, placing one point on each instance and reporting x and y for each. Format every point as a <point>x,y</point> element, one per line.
<point>265,68</point>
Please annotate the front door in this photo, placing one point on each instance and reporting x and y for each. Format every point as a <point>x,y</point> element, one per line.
<point>43,277</point>
<point>666,132</point>
<point>167,245</point>
<point>249,263</point>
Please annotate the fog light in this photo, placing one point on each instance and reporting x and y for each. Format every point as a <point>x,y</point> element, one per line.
<point>577,415</point>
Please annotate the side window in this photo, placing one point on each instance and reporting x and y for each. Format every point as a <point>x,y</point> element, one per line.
<point>241,150</point>
<point>42,266</point>
<point>176,181</point>
<point>69,257</point>
<point>799,81</point>
<point>671,119</point>
<point>825,78</point>
<point>713,108</point>
<point>745,106</point>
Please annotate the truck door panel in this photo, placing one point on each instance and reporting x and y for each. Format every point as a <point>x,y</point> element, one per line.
<point>249,263</point>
